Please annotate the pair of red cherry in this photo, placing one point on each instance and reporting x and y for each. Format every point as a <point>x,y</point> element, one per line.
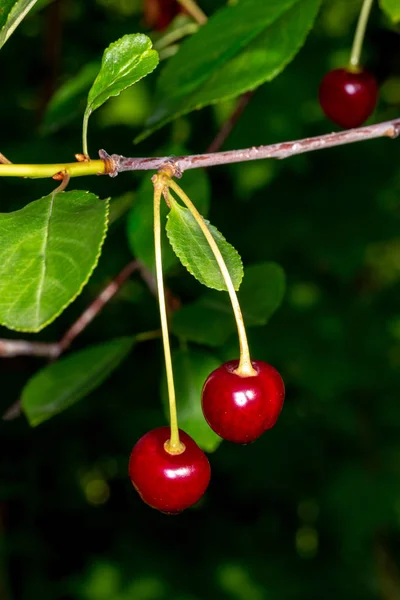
<point>237,408</point>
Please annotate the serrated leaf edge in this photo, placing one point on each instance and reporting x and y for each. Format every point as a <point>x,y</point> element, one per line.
<point>242,90</point>
<point>54,317</point>
<point>186,265</point>
<point>89,111</point>
<point>5,33</point>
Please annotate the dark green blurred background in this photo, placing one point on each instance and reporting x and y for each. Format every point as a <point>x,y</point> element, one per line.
<point>312,509</point>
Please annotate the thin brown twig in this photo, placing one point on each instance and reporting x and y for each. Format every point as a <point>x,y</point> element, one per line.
<point>281,150</point>
<point>97,305</point>
<point>173,302</point>
<point>52,52</point>
<point>388,572</point>
<point>11,348</point>
<point>194,10</point>
<point>52,350</point>
<point>4,160</point>
<point>230,123</point>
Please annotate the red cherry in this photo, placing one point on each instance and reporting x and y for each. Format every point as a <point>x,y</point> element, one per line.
<point>168,482</point>
<point>348,98</point>
<point>158,14</point>
<point>240,409</point>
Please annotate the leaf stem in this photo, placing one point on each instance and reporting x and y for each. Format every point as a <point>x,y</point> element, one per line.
<point>194,11</point>
<point>84,134</point>
<point>354,64</point>
<point>173,445</point>
<point>245,368</point>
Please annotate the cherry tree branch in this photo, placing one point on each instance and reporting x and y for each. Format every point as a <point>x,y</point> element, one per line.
<point>114,164</point>
<point>281,150</point>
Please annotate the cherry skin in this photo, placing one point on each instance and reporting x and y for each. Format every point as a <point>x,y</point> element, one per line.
<point>168,482</point>
<point>240,409</point>
<point>158,14</point>
<point>348,98</point>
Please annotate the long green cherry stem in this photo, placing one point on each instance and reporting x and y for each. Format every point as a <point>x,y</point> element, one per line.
<point>354,63</point>
<point>245,368</point>
<point>173,445</point>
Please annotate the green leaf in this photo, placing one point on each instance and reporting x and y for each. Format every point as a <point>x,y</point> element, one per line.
<point>69,100</point>
<point>124,62</point>
<point>191,369</point>
<point>240,47</point>
<point>12,12</point>
<point>61,384</point>
<point>140,219</point>
<point>209,320</point>
<point>48,251</point>
<point>392,9</point>
<point>194,252</point>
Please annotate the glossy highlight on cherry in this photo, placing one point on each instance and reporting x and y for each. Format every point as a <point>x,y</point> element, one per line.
<point>168,482</point>
<point>347,97</point>
<point>240,409</point>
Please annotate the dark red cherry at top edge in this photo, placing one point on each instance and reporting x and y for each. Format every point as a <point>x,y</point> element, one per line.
<point>348,98</point>
<point>159,14</point>
<point>240,409</point>
<point>168,482</point>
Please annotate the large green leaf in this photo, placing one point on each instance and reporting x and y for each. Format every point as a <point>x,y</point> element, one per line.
<point>240,47</point>
<point>124,62</point>
<point>12,12</point>
<point>48,251</point>
<point>140,220</point>
<point>209,320</point>
<point>191,369</point>
<point>59,385</point>
<point>191,247</point>
<point>392,9</point>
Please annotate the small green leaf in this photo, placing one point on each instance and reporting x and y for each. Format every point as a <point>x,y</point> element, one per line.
<point>140,219</point>
<point>124,62</point>
<point>69,100</point>
<point>392,9</point>
<point>191,369</point>
<point>59,385</point>
<point>209,320</point>
<point>12,12</point>
<point>48,251</point>
<point>242,46</point>
<point>194,252</point>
